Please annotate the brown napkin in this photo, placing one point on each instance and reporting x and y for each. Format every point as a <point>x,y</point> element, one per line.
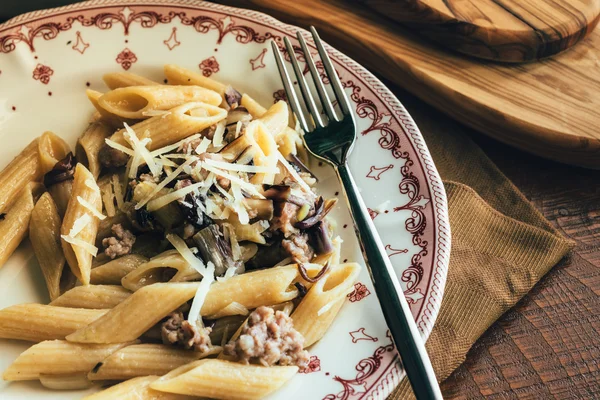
<point>501,245</point>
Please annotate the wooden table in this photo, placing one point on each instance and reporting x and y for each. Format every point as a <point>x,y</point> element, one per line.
<point>548,346</point>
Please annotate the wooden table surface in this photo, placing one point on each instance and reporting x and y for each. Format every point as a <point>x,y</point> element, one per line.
<point>548,346</point>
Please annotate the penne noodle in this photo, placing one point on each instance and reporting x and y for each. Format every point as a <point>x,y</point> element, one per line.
<point>145,359</point>
<point>179,123</point>
<point>138,102</point>
<point>44,234</point>
<point>52,149</point>
<point>38,322</point>
<point>169,266</point>
<point>79,247</point>
<point>58,357</point>
<point>222,379</point>
<point>266,156</point>
<point>30,165</point>
<point>231,309</point>
<point>150,304</point>
<point>115,80</point>
<point>77,381</point>
<point>105,226</point>
<point>109,119</point>
<point>15,224</point>
<point>89,145</point>
<point>225,327</point>
<point>180,76</point>
<point>92,297</point>
<point>61,194</point>
<point>136,389</point>
<point>113,271</point>
<point>324,299</point>
<point>276,120</point>
<point>138,313</point>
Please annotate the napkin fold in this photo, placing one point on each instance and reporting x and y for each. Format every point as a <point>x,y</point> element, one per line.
<point>501,244</point>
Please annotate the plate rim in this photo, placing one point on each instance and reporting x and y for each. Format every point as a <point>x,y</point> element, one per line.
<point>442,231</point>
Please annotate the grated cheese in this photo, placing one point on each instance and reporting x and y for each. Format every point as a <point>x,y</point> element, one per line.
<point>203,146</point>
<point>164,183</point>
<point>93,250</point>
<point>108,198</point>
<point>203,288</point>
<point>79,225</point>
<point>293,172</point>
<point>219,132</point>
<point>238,128</point>
<point>90,183</point>
<point>139,147</point>
<point>239,205</point>
<point>253,169</point>
<point>166,162</point>
<point>187,254</point>
<point>173,146</point>
<point>162,201</point>
<point>90,207</point>
<point>224,192</point>
<point>119,147</point>
<point>243,184</point>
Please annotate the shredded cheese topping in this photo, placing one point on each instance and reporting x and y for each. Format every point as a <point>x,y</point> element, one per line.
<point>90,207</point>
<point>201,293</point>
<point>139,148</point>
<point>293,173</point>
<point>253,169</point>
<point>93,250</point>
<point>187,254</point>
<point>162,201</point>
<point>79,225</point>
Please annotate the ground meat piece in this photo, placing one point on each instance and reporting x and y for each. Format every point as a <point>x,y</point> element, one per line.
<point>120,244</point>
<point>182,183</point>
<point>298,248</point>
<point>285,218</point>
<point>180,332</point>
<point>269,338</point>
<point>112,158</point>
<point>223,182</point>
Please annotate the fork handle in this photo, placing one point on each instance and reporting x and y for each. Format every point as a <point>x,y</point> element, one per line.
<point>398,316</point>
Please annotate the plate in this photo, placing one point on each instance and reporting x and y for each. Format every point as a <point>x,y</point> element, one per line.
<point>47,60</point>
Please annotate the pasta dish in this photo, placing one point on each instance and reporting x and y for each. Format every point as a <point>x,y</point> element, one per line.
<point>184,245</point>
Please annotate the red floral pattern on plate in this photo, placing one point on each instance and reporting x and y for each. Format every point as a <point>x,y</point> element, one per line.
<point>314,365</point>
<point>126,58</point>
<point>360,292</point>
<point>42,73</point>
<point>209,66</point>
<point>279,95</point>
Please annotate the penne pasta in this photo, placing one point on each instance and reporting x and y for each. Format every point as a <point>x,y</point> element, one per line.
<point>179,123</point>
<point>177,75</point>
<point>38,322</point>
<point>136,389</point>
<point>138,102</point>
<point>318,308</point>
<point>77,381</point>
<point>92,297</point>
<point>220,379</point>
<point>44,233</point>
<point>266,154</point>
<point>58,357</point>
<point>30,165</point>
<point>15,224</point>
<point>145,359</point>
<point>80,225</point>
<point>111,120</point>
<point>52,149</point>
<point>138,313</point>
<point>113,271</point>
<point>89,145</point>
<point>152,303</point>
<point>169,266</point>
<point>115,80</point>
<point>276,120</point>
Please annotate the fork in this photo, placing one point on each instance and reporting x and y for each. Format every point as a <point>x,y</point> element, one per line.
<point>332,140</point>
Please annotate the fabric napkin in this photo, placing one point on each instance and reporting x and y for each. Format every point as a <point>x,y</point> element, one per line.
<point>501,244</point>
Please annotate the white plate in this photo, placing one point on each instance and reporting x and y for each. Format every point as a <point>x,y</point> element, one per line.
<point>47,60</point>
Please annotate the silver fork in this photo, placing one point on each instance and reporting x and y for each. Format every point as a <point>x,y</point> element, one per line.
<point>332,140</point>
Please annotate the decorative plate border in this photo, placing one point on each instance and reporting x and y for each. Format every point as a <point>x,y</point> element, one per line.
<point>428,313</point>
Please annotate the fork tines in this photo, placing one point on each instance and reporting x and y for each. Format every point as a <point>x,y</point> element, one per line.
<point>312,118</point>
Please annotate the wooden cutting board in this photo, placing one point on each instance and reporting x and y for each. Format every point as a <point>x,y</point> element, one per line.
<point>550,108</point>
<point>501,30</point>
